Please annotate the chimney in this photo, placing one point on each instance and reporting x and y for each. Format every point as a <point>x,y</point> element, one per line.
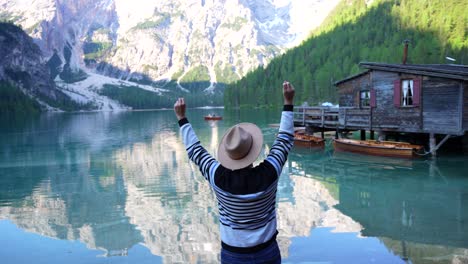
<point>405,51</point>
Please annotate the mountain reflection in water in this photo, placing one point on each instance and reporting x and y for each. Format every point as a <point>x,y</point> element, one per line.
<point>116,180</point>
<point>416,207</point>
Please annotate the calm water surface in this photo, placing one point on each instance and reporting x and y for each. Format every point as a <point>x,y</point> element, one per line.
<point>119,188</point>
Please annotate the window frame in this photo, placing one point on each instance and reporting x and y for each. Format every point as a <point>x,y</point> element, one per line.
<point>402,93</point>
<point>361,99</point>
<point>417,89</point>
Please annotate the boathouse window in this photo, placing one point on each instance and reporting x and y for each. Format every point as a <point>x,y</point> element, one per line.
<point>407,92</point>
<point>365,98</point>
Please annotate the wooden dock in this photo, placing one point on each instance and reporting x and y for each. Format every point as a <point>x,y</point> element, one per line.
<point>342,118</point>
<point>323,117</point>
<point>346,119</point>
<point>333,118</point>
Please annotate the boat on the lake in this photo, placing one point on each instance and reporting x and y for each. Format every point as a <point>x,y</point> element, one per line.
<point>378,148</point>
<point>213,117</point>
<point>306,140</point>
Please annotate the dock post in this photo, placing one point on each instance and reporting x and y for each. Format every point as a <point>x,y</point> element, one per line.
<point>465,143</point>
<point>303,116</point>
<point>363,134</point>
<point>372,135</point>
<point>323,134</point>
<point>323,117</point>
<point>432,144</point>
<point>382,136</point>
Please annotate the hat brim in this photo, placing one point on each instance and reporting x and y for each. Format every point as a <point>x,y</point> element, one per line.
<point>257,143</point>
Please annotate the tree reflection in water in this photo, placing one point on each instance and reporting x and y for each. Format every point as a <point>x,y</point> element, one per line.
<point>113,181</point>
<point>414,206</point>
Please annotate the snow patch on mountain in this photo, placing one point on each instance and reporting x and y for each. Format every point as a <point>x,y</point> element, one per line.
<point>145,41</point>
<point>87,91</point>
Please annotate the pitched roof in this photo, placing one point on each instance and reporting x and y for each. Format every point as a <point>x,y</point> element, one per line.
<point>450,71</point>
<point>351,77</point>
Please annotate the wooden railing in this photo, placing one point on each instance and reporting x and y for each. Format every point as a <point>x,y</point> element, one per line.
<point>332,117</point>
<point>317,116</point>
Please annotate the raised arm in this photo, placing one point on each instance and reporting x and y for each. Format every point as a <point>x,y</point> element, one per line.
<point>285,139</point>
<point>180,108</point>
<point>195,150</point>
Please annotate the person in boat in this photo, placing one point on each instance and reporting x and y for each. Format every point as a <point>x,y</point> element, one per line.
<point>246,194</point>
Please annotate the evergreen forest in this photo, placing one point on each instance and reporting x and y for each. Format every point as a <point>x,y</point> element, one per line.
<point>14,101</point>
<point>138,98</point>
<point>356,31</point>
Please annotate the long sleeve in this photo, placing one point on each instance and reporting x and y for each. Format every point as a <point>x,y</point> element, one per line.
<point>196,152</point>
<point>284,141</point>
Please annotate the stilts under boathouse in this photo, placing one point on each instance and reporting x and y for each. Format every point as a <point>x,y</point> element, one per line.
<point>422,103</point>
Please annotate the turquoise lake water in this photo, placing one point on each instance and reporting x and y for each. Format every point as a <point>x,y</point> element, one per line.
<point>119,188</point>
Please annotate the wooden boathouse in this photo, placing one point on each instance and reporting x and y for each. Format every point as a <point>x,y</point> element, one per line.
<point>419,100</point>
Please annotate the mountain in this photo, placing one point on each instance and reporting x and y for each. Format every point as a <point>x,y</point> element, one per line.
<point>24,75</point>
<point>358,30</point>
<point>177,48</point>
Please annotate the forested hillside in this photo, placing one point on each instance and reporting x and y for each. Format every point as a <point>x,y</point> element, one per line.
<point>13,101</point>
<point>357,32</point>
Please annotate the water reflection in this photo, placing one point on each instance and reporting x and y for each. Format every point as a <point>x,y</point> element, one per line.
<point>80,207</point>
<point>56,178</point>
<point>113,181</point>
<point>214,137</point>
<point>415,207</point>
<point>169,202</point>
<point>312,207</point>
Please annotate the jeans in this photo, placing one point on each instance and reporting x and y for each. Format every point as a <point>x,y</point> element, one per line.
<point>271,254</point>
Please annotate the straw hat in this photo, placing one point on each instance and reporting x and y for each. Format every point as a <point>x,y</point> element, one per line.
<point>240,146</point>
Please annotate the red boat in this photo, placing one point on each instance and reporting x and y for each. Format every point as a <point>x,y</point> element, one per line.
<point>213,117</point>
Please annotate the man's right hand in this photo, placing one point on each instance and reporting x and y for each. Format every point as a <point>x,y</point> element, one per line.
<point>288,93</point>
<point>179,108</point>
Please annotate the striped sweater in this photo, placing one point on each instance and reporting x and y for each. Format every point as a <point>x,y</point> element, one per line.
<point>246,197</point>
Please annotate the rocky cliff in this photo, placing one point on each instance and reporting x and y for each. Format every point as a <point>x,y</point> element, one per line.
<point>24,66</point>
<point>164,43</point>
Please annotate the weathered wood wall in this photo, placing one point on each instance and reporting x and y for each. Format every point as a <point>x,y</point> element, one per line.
<point>442,108</point>
<point>354,118</point>
<point>386,116</point>
<point>349,91</point>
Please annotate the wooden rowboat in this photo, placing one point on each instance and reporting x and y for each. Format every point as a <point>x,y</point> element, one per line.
<point>213,117</point>
<point>306,140</point>
<point>378,148</point>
